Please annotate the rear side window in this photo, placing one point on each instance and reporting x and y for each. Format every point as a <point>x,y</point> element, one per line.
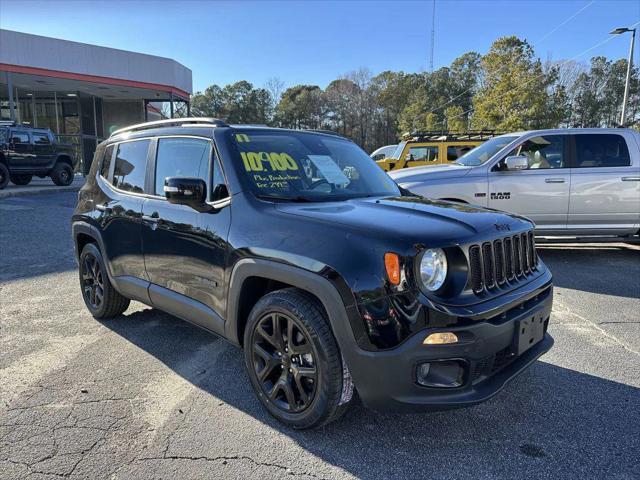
<point>601,150</point>
<point>181,157</point>
<point>106,162</point>
<point>41,139</point>
<point>130,167</point>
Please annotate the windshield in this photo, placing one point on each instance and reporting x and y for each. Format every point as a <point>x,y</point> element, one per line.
<point>484,152</point>
<point>398,151</point>
<point>301,166</point>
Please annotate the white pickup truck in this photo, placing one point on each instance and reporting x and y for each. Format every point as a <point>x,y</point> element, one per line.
<point>570,182</point>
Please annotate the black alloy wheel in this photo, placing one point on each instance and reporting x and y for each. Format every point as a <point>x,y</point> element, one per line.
<point>284,362</point>
<point>92,281</point>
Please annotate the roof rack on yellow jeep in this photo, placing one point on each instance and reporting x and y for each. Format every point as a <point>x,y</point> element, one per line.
<point>444,136</point>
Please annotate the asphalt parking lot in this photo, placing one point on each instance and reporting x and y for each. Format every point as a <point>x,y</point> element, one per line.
<point>148,396</point>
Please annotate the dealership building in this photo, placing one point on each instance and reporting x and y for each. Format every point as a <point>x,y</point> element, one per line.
<point>84,92</point>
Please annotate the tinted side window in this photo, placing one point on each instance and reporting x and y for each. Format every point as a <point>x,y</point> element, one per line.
<point>19,137</point>
<point>131,163</point>
<point>41,138</point>
<point>428,154</point>
<point>106,161</point>
<point>601,150</point>
<point>543,152</point>
<point>181,157</point>
<point>455,152</point>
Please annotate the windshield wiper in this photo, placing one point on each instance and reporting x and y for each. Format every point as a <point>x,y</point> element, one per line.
<point>297,198</point>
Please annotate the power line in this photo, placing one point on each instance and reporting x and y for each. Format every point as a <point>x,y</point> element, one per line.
<point>545,36</point>
<point>606,40</point>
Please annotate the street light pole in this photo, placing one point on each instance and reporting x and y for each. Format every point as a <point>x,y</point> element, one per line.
<point>618,31</point>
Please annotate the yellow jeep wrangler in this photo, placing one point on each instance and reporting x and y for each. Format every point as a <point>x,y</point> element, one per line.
<point>432,148</point>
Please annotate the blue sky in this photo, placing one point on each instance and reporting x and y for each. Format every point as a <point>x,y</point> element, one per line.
<point>316,41</point>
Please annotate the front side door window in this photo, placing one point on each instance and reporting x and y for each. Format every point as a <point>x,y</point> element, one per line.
<point>544,152</point>
<point>181,157</point>
<point>539,192</point>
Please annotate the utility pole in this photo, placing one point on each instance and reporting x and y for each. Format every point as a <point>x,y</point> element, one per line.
<point>433,34</point>
<point>619,31</point>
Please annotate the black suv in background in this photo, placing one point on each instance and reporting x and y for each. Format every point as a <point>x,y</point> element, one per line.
<point>295,246</point>
<point>27,151</point>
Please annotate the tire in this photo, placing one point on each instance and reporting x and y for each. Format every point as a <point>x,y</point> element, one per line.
<point>101,299</point>
<point>4,176</point>
<point>21,179</point>
<point>62,174</point>
<point>314,395</point>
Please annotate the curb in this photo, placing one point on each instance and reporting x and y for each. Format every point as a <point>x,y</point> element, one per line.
<point>38,191</point>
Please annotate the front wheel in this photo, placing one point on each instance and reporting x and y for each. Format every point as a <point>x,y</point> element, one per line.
<point>101,299</point>
<point>293,360</point>
<point>62,174</point>
<point>21,179</point>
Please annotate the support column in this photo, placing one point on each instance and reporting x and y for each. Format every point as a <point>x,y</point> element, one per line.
<point>171,103</point>
<point>12,107</point>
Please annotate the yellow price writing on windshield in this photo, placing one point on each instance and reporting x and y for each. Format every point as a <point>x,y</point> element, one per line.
<point>254,161</point>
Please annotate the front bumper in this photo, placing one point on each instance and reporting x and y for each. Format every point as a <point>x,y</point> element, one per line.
<point>386,380</point>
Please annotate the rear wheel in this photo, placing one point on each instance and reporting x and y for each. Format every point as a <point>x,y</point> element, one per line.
<point>293,360</point>
<point>21,179</point>
<point>102,300</point>
<point>4,176</point>
<point>62,174</point>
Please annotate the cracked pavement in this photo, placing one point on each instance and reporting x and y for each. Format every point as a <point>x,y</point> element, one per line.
<point>148,396</point>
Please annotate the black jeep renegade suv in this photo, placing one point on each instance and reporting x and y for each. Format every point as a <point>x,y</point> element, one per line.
<point>297,247</point>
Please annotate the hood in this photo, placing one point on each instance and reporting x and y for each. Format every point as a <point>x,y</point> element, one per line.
<point>415,174</point>
<point>417,220</point>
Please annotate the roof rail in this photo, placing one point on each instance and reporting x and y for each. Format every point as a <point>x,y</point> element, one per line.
<point>172,122</point>
<point>443,135</point>
<point>7,123</point>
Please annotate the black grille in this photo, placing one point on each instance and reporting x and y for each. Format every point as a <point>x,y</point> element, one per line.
<point>476,268</point>
<point>488,265</point>
<point>508,254</point>
<point>498,254</point>
<point>533,258</point>
<point>517,256</point>
<point>505,260</point>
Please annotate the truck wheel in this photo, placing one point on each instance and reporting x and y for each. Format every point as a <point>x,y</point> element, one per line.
<point>62,174</point>
<point>102,300</point>
<point>293,361</point>
<point>21,179</point>
<point>4,176</point>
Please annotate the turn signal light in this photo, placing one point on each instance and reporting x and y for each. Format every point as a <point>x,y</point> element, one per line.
<point>441,338</point>
<point>392,264</point>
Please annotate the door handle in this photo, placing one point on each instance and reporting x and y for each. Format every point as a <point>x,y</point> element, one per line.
<point>150,218</point>
<point>631,179</point>
<point>554,180</point>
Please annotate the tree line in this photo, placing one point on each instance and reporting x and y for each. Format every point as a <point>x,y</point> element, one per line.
<point>507,89</point>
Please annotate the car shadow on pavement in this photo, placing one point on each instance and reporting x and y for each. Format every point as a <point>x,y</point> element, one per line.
<point>594,269</point>
<point>550,419</point>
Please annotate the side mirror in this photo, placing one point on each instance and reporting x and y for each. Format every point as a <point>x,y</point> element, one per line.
<point>186,191</point>
<point>517,162</point>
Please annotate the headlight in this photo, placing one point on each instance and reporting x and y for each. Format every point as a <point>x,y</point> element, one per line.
<point>433,269</point>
